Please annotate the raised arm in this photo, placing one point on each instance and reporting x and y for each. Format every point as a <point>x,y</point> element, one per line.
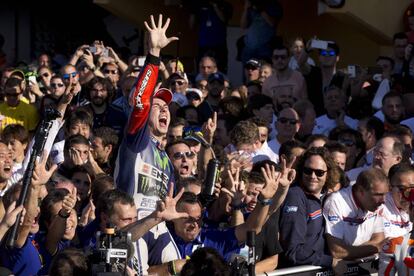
<point>259,215</point>
<point>140,98</point>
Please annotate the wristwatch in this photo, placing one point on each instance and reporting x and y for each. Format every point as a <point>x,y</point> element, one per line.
<point>264,202</point>
<point>63,216</point>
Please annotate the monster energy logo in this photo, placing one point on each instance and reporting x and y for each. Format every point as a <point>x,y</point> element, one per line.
<point>160,161</point>
<point>144,184</point>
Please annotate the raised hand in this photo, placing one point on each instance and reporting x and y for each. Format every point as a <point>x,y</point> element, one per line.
<point>271,181</point>
<point>166,208</point>
<point>237,190</point>
<point>69,202</point>
<point>11,215</point>
<point>209,127</point>
<point>88,214</point>
<point>157,37</point>
<point>287,175</point>
<point>40,174</point>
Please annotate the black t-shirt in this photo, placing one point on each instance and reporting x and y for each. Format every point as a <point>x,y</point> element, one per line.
<point>267,242</point>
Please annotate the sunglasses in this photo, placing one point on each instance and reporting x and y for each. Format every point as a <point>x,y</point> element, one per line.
<point>46,75</point>
<point>67,76</point>
<point>326,53</point>
<point>56,85</point>
<point>406,192</point>
<point>310,171</point>
<point>276,57</point>
<point>180,155</point>
<point>114,72</point>
<point>12,95</point>
<point>178,82</point>
<point>287,120</point>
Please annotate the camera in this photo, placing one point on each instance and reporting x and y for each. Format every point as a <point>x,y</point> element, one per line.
<point>112,253</point>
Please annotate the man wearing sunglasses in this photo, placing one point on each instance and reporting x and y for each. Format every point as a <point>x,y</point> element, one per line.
<point>71,77</point>
<point>354,226</point>
<point>287,126</point>
<point>301,223</point>
<point>182,158</point>
<point>397,204</point>
<point>284,76</point>
<point>318,78</point>
<point>143,169</point>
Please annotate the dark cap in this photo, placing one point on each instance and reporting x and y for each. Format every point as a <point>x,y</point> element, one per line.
<point>252,63</point>
<point>164,94</point>
<point>178,75</point>
<point>218,77</point>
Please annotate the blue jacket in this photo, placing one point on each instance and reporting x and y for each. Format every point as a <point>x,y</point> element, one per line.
<point>302,229</point>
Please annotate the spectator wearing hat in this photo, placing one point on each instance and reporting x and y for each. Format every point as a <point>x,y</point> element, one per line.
<point>141,151</point>
<point>252,70</point>
<point>194,96</point>
<point>16,108</point>
<point>284,77</point>
<point>216,88</point>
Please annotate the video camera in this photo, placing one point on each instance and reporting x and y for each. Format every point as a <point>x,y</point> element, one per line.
<point>112,253</point>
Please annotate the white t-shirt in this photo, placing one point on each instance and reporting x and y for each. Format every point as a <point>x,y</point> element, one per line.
<point>409,122</point>
<point>274,146</point>
<point>346,221</point>
<point>396,222</point>
<point>324,124</point>
<point>264,153</point>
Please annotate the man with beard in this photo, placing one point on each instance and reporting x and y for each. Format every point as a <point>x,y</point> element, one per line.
<point>284,76</point>
<point>100,94</point>
<point>393,109</point>
<point>301,223</point>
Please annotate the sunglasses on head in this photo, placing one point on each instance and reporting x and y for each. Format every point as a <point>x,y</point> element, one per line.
<point>56,85</point>
<point>179,155</point>
<point>310,171</point>
<point>287,120</point>
<point>327,53</point>
<point>67,76</point>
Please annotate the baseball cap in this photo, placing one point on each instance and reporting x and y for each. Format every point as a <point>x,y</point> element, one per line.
<point>178,75</point>
<point>218,77</point>
<point>164,94</point>
<point>252,63</point>
<point>194,91</point>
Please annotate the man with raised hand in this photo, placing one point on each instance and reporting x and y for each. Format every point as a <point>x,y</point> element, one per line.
<point>143,169</point>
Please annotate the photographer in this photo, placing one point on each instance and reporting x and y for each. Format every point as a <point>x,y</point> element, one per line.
<point>118,208</point>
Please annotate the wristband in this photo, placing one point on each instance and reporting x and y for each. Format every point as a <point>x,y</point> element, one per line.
<point>171,268</point>
<point>264,202</point>
<point>238,207</point>
<point>63,216</point>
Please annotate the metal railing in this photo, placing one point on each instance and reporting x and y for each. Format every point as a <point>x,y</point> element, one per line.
<point>365,267</point>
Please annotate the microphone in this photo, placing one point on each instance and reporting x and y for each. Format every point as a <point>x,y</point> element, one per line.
<point>251,243</point>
